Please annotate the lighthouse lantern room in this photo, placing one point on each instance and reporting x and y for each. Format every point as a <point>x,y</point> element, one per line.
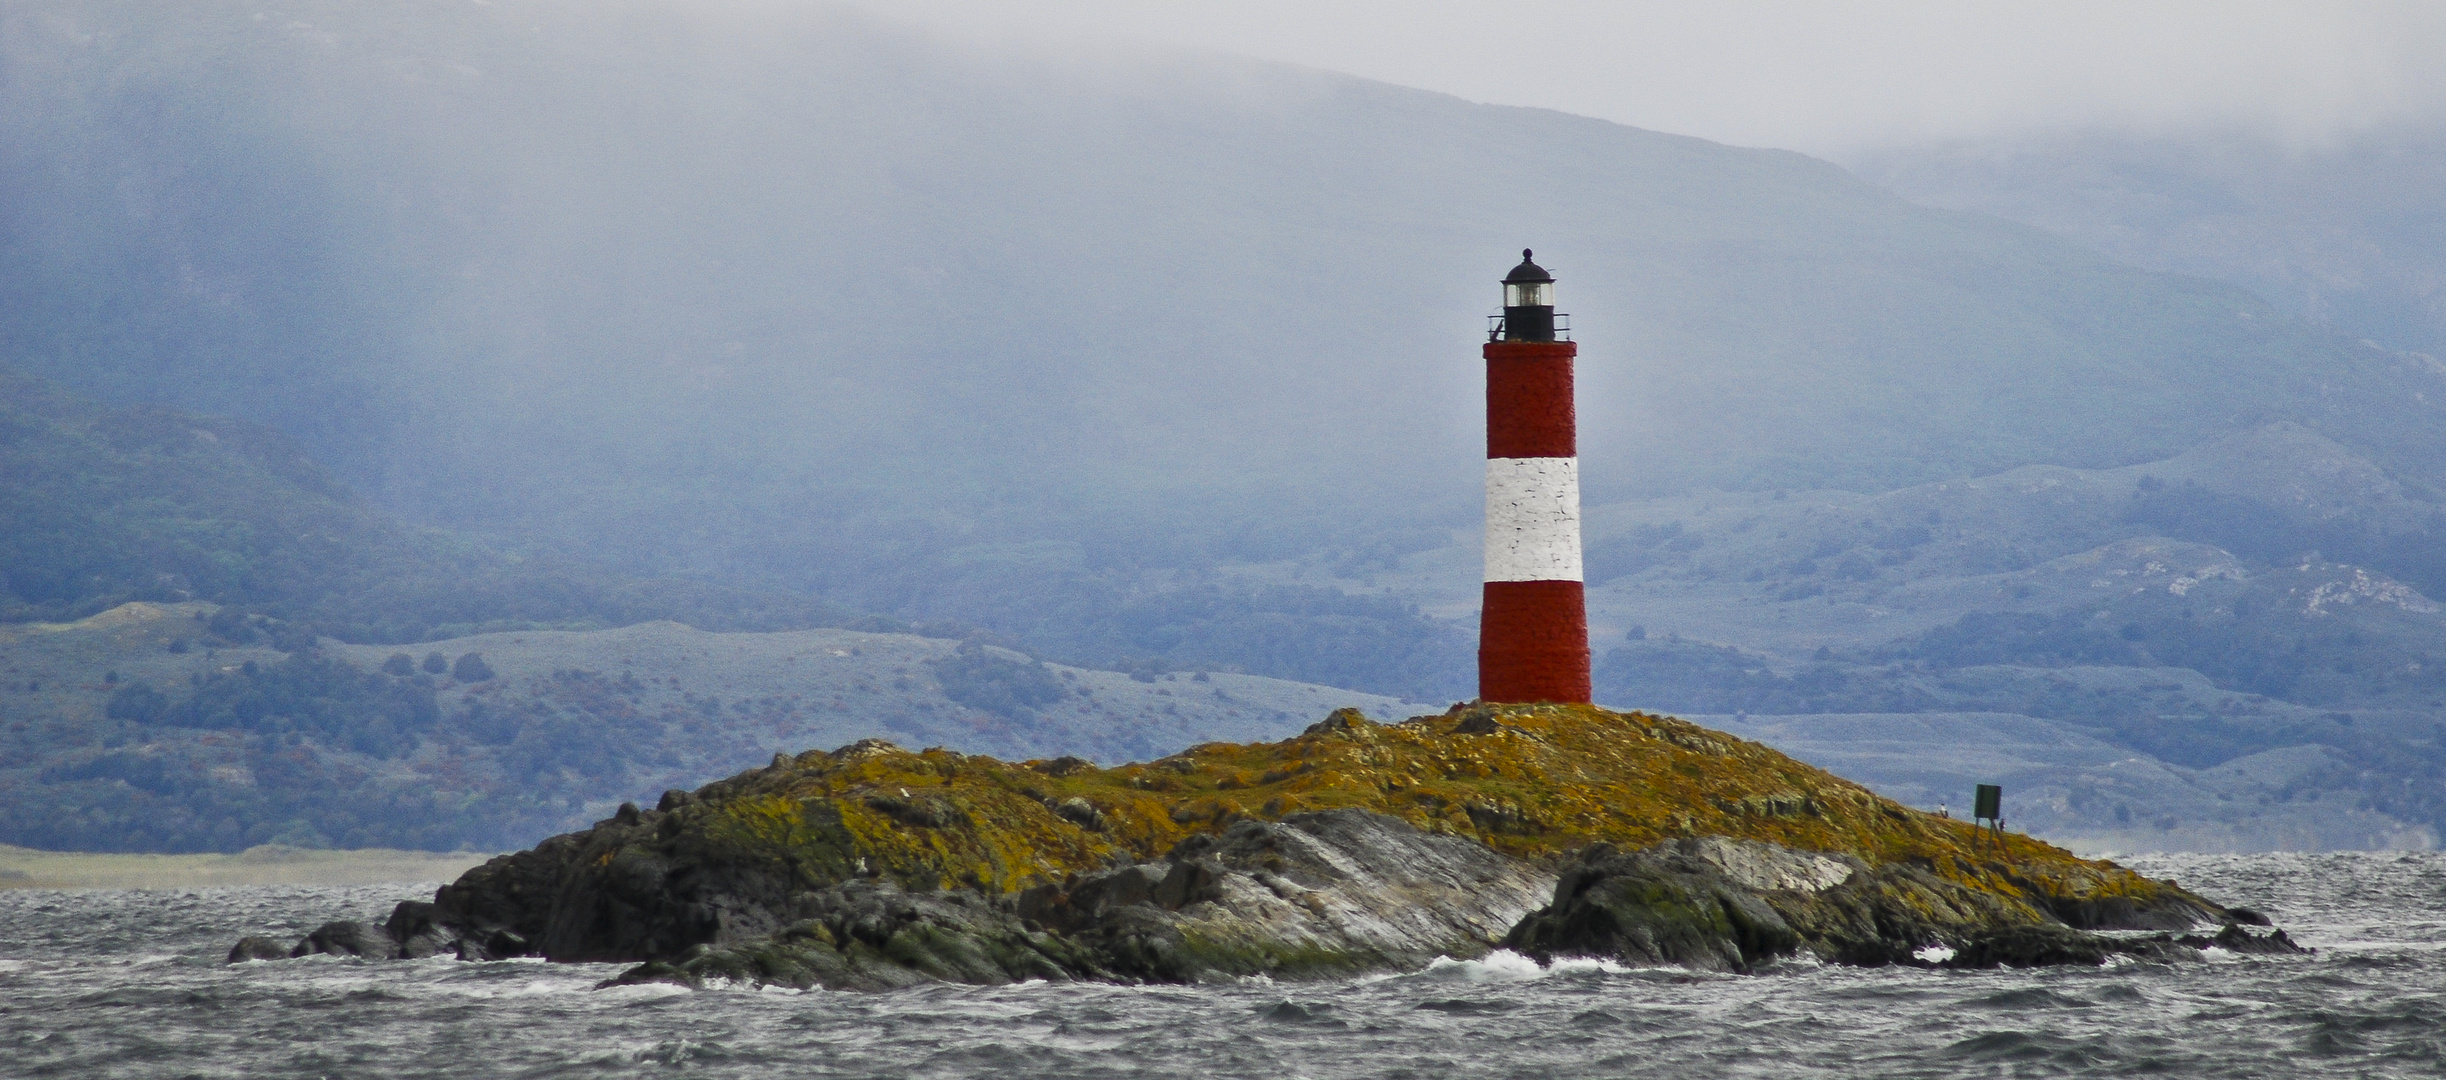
<point>1528,302</point>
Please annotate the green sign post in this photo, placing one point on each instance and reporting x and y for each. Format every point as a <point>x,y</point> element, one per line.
<point>1987,812</point>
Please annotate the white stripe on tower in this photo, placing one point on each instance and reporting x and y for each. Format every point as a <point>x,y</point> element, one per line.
<point>1533,519</point>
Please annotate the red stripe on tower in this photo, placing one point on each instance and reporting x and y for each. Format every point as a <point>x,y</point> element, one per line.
<point>1533,630</point>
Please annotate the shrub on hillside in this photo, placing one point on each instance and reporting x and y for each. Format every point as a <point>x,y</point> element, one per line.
<point>314,697</point>
<point>137,702</point>
<point>995,683</point>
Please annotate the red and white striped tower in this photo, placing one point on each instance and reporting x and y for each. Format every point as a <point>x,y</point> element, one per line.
<point>1533,633</point>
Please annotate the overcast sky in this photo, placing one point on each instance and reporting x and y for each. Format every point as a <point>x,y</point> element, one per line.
<point>1823,77</point>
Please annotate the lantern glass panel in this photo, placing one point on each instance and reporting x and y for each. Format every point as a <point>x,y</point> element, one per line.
<point>1528,294</point>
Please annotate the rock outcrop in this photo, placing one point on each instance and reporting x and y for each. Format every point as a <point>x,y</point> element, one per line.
<point>1732,905</point>
<point>1358,846</point>
<point>1331,892</point>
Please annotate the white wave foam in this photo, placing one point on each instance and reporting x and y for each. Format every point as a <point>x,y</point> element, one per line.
<point>1570,964</point>
<point>644,991</point>
<point>532,988</point>
<point>1504,965</point>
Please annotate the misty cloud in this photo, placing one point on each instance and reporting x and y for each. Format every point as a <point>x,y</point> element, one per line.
<point>1823,78</point>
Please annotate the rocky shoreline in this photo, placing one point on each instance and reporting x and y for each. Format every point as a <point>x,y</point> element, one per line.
<point>1356,847</point>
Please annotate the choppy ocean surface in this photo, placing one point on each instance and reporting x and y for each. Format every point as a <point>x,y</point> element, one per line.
<point>131,983</point>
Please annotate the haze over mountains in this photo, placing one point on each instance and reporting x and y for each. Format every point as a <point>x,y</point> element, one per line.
<point>2346,231</point>
<point>540,267</point>
<point>790,315</point>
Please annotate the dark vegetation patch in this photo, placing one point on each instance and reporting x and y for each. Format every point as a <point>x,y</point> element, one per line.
<point>1647,546</point>
<point>103,507</point>
<point>2262,531</point>
<point>982,679</point>
<point>1070,606</point>
<point>2252,640</point>
<point>312,752</point>
<point>1677,676</point>
<point>2253,637</point>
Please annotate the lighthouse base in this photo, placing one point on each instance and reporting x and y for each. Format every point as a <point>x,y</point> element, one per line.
<point>1533,642</point>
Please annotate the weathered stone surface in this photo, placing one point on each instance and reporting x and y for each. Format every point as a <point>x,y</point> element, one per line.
<point>418,933</point>
<point>1341,891</point>
<point>1667,905</point>
<point>871,935</point>
<point>1731,905</point>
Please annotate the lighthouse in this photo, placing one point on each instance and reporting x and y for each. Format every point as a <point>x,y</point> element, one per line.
<point>1533,630</point>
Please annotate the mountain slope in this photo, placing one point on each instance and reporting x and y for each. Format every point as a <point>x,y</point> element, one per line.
<point>102,506</point>
<point>793,296</point>
<point>2345,233</point>
<point>207,699</point>
<point>140,729</point>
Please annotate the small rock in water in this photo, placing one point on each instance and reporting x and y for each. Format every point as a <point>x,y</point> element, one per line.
<point>257,948</point>
<point>2038,946</point>
<point>348,938</point>
<point>2236,939</point>
<point>416,931</point>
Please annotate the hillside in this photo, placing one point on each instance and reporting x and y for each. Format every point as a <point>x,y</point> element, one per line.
<point>177,673</point>
<point>2070,785</point>
<point>142,729</point>
<point>793,298</point>
<point>105,506</point>
<point>2346,232</point>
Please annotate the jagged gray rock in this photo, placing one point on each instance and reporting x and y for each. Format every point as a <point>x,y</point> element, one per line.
<point>1671,905</point>
<point>1313,894</point>
<point>1732,905</point>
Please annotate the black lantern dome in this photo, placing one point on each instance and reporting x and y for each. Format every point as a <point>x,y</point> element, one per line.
<point>1528,302</point>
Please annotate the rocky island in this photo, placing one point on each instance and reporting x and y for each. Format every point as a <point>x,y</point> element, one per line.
<point>1356,846</point>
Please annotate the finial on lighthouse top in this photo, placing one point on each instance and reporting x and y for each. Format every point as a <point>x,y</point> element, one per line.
<point>1527,272</point>
<point>1528,302</point>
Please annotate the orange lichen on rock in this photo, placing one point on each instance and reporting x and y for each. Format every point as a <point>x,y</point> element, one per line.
<point>1531,781</point>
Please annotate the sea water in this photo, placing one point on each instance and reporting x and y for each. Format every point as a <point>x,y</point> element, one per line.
<point>131,983</point>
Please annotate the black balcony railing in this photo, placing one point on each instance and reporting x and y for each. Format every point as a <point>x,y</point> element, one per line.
<point>1562,327</point>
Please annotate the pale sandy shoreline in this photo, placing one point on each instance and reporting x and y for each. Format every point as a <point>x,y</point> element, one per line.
<point>27,868</point>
